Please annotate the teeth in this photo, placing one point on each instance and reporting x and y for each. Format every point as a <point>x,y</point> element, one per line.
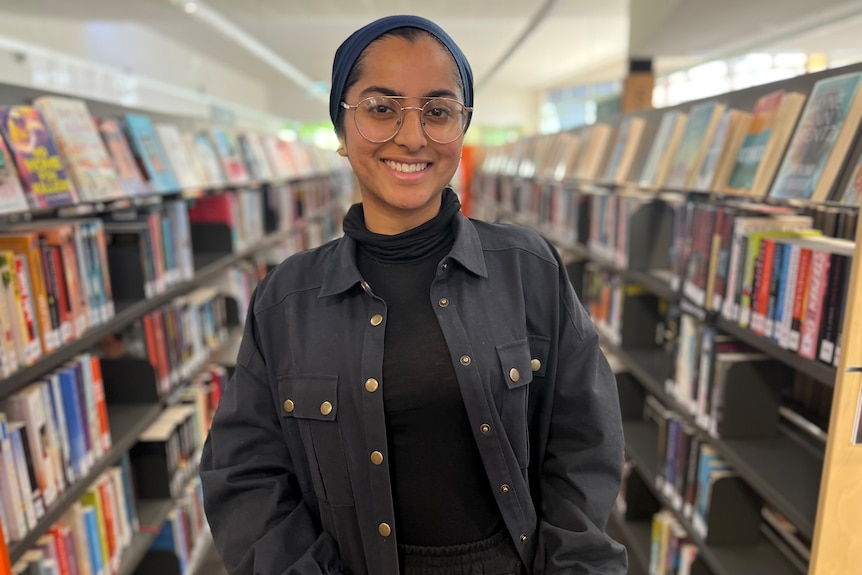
<point>408,168</point>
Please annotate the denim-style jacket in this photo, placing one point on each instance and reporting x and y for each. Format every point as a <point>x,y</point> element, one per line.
<point>289,485</point>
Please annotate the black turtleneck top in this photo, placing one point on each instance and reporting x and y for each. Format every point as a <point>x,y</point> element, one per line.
<point>439,486</point>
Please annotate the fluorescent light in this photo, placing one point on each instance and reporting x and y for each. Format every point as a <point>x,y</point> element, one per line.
<point>227,28</point>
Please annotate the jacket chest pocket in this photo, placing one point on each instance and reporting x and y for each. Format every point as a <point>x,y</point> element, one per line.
<point>521,362</point>
<point>312,401</point>
<point>515,364</point>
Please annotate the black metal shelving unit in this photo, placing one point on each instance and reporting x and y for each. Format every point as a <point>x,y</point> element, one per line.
<point>782,471</point>
<point>207,268</point>
<point>762,557</point>
<point>127,423</point>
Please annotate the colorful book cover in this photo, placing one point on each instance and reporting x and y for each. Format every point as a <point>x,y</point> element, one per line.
<point>94,541</point>
<point>755,142</point>
<point>14,500</point>
<point>12,197</point>
<point>618,149</point>
<point>150,154</point>
<point>661,147</point>
<point>59,413</point>
<point>228,153</point>
<point>206,153</point>
<point>81,147</point>
<point>815,138</point>
<point>131,180</point>
<point>692,146</point>
<point>40,167</point>
<point>255,157</point>
<point>179,155</point>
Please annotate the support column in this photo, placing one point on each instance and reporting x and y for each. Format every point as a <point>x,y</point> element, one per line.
<point>638,86</point>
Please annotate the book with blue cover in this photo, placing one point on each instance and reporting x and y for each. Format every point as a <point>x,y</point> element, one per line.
<point>150,153</point>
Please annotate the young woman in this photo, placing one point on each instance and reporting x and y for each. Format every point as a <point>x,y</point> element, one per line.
<point>424,395</point>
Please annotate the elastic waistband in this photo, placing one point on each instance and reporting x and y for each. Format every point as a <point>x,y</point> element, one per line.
<point>463,553</point>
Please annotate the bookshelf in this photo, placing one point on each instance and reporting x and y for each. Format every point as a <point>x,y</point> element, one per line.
<point>644,248</point>
<point>127,423</point>
<point>204,243</point>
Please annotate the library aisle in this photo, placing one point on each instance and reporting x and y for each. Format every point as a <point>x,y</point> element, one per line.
<point>152,174</point>
<point>715,246</point>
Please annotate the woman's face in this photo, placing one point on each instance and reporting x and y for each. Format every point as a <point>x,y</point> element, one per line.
<point>397,195</point>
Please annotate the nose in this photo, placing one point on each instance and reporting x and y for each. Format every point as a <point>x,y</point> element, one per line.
<point>411,135</point>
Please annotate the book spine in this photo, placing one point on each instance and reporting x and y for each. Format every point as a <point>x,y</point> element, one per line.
<point>790,297</point>
<point>799,299</point>
<point>73,409</point>
<point>53,436</point>
<point>810,329</point>
<point>829,331</point>
<point>737,248</point>
<point>94,542</point>
<point>74,287</point>
<point>55,315</point>
<point>102,256</point>
<point>776,279</point>
<point>26,475</point>
<point>93,418</point>
<point>57,405</point>
<point>64,303</point>
<point>17,515</point>
<point>748,311</point>
<point>101,404</point>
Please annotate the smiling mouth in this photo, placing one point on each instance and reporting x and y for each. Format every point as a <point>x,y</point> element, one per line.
<point>406,168</point>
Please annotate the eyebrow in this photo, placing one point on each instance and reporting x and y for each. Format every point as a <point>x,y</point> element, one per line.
<point>389,92</point>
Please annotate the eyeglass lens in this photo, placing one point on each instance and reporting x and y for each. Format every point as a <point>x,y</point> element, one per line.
<point>378,119</point>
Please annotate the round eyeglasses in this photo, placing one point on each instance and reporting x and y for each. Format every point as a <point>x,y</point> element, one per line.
<point>378,119</point>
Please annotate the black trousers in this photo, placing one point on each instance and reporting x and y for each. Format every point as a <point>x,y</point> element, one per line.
<point>493,556</point>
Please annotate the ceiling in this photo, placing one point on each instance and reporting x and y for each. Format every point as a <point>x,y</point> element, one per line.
<point>577,41</point>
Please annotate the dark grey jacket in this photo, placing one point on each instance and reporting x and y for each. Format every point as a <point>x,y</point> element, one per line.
<point>289,486</point>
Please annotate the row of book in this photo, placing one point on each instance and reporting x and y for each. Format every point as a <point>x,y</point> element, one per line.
<point>55,154</point>
<point>241,212</point>
<point>55,285</point>
<point>770,269</point>
<point>689,473</point>
<point>185,530</point>
<point>606,296</point>
<point>789,146</point>
<point>92,534</point>
<point>704,362</point>
<point>672,551</point>
<point>61,278</point>
<point>52,432</point>
<point>176,339</point>
<point>688,468</point>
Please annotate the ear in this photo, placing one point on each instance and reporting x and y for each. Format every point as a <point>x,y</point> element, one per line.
<point>342,148</point>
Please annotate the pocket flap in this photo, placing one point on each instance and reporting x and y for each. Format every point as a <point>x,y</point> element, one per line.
<point>515,362</point>
<point>309,396</point>
<point>540,346</point>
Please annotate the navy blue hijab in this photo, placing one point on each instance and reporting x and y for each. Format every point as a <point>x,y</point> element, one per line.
<point>348,53</point>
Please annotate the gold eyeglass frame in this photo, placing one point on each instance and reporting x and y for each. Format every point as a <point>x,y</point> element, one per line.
<point>467,111</point>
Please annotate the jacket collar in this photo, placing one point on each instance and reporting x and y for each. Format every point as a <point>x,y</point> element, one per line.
<point>342,272</point>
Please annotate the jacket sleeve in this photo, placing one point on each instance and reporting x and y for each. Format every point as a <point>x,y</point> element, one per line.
<point>581,472</point>
<point>259,521</point>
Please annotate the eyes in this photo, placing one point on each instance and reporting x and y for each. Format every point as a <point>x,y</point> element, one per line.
<point>435,109</point>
